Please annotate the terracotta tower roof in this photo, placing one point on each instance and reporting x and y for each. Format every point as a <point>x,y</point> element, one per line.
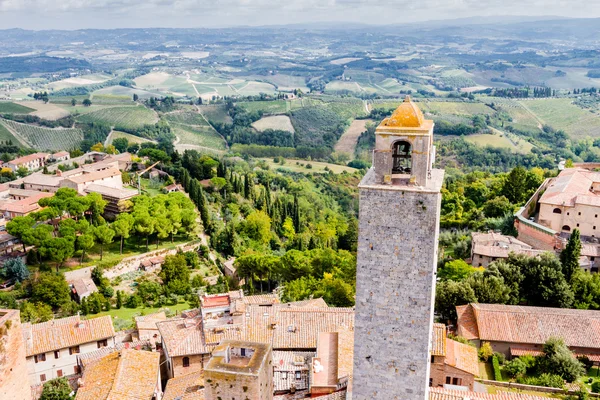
<point>407,115</point>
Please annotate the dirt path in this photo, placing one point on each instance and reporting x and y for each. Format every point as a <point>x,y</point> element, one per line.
<point>213,128</point>
<point>348,141</point>
<point>541,122</point>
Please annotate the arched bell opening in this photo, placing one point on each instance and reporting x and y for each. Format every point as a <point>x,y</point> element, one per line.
<point>401,157</point>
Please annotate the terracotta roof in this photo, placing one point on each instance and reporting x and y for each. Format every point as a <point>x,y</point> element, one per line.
<point>93,356</point>
<point>84,286</point>
<point>407,115</point>
<point>119,194</point>
<point>215,301</point>
<point>24,206</point>
<point>185,387</point>
<point>183,336</point>
<point>263,299</point>
<point>450,394</point>
<point>572,186</point>
<point>43,179</point>
<point>65,332</point>
<point>492,244</point>
<point>462,356</point>
<point>149,321</point>
<point>438,340</point>
<point>95,175</point>
<point>28,158</point>
<point>126,375</point>
<point>60,154</point>
<point>285,364</point>
<point>529,325</point>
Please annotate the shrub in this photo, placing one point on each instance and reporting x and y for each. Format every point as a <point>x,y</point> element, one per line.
<point>496,365</point>
<point>486,351</point>
<point>501,358</point>
<point>559,360</point>
<point>547,380</point>
<point>516,368</point>
<point>596,387</point>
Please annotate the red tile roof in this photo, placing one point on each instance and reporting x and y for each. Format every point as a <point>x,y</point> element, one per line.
<point>450,394</point>
<point>185,387</point>
<point>529,325</point>
<point>65,332</point>
<point>438,340</point>
<point>572,186</point>
<point>28,158</point>
<point>215,301</point>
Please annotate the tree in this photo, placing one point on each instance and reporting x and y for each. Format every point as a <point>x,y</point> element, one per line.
<point>144,225</point>
<point>51,289</point>
<point>489,287</point>
<point>119,299</point>
<point>104,235</point>
<point>122,227</point>
<point>58,250</point>
<point>18,226</point>
<point>73,102</point>
<point>516,367</point>
<point>450,294</point>
<point>559,360</point>
<point>497,207</point>
<point>36,312</point>
<point>258,226</point>
<point>97,147</point>
<point>175,274</point>
<point>121,144</point>
<point>87,102</point>
<point>545,284</point>
<point>455,270</point>
<point>96,206</point>
<point>15,269</point>
<point>84,243</point>
<point>135,97</point>
<point>515,186</point>
<point>569,257</point>
<point>57,389</point>
<point>485,351</point>
<point>164,227</point>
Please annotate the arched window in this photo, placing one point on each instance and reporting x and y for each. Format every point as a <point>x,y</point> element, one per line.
<point>557,211</point>
<point>566,228</point>
<point>186,362</point>
<point>402,157</point>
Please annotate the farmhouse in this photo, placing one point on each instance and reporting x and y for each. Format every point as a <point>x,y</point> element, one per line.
<point>487,247</point>
<point>52,347</point>
<point>126,374</point>
<point>520,330</point>
<point>82,288</point>
<point>452,363</point>
<point>110,177</point>
<point>60,156</point>
<point>19,203</point>
<point>31,162</point>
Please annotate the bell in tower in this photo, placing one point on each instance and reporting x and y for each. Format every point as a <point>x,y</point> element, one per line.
<point>404,152</point>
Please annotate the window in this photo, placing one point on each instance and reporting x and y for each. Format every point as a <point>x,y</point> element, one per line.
<point>76,369</point>
<point>298,375</point>
<point>568,213</point>
<point>57,354</point>
<point>578,225</point>
<point>566,228</point>
<point>579,213</point>
<point>102,343</point>
<point>186,362</point>
<point>74,350</point>
<point>40,358</point>
<point>456,381</point>
<point>448,380</point>
<point>402,157</point>
<point>43,377</point>
<point>59,373</point>
<point>592,258</point>
<point>557,211</point>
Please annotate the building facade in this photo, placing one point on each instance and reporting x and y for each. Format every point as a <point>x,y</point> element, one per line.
<point>397,253</point>
<point>14,383</point>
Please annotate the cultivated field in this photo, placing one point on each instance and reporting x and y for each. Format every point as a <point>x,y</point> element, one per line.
<point>6,136</point>
<point>501,140</point>
<point>269,107</point>
<point>275,122</point>
<point>190,117</point>
<point>45,138</point>
<point>14,108</point>
<point>522,117</point>
<point>122,117</point>
<point>189,137</point>
<point>216,113</point>
<point>46,111</point>
<point>287,82</point>
<point>441,107</point>
<point>342,61</point>
<point>130,138</point>
<point>347,143</point>
<point>301,166</point>
<point>563,114</point>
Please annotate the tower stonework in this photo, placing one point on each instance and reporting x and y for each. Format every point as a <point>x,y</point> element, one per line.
<point>397,254</point>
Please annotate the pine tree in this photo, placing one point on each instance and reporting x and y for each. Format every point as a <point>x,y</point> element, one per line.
<point>268,199</point>
<point>569,257</point>
<point>514,187</point>
<point>119,299</point>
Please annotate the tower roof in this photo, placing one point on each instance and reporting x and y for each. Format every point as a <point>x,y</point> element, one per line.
<point>407,115</point>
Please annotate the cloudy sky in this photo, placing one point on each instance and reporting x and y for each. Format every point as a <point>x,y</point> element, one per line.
<point>77,14</point>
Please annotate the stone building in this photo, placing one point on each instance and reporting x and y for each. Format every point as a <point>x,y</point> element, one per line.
<point>397,253</point>
<point>452,363</point>
<point>239,370</point>
<point>487,247</point>
<point>14,383</point>
<point>31,162</point>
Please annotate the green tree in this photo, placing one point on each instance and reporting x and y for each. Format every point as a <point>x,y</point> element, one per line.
<point>96,205</point>
<point>122,227</point>
<point>36,312</point>
<point>57,389</point>
<point>15,268</point>
<point>119,299</point>
<point>144,225</point>
<point>175,274</point>
<point>258,226</point>
<point>58,250</point>
<point>104,235</point>
<point>18,226</point>
<point>84,243</point>
<point>559,360</point>
<point>489,287</point>
<point>121,144</point>
<point>87,102</point>
<point>455,270</point>
<point>497,207</point>
<point>73,102</point>
<point>586,289</point>
<point>450,294</point>
<point>51,289</point>
<point>515,186</point>
<point>569,257</point>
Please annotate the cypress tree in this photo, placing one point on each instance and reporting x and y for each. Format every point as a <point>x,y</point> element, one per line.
<point>569,257</point>
<point>119,299</point>
<point>246,186</point>
<point>85,308</point>
<point>296,214</point>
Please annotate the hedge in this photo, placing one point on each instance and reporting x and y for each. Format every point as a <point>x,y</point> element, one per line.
<point>496,366</point>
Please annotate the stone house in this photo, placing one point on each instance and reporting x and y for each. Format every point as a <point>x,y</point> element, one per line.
<point>31,162</point>
<point>82,288</point>
<point>452,362</point>
<point>52,347</point>
<point>14,382</point>
<point>519,330</point>
<point>147,328</point>
<point>487,247</point>
<point>60,156</point>
<point>152,264</point>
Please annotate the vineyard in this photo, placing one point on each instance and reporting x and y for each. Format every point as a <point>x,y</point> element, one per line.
<point>122,117</point>
<point>198,136</point>
<point>45,138</point>
<point>187,118</point>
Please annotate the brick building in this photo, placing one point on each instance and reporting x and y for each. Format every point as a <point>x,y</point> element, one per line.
<point>399,215</point>
<point>14,382</point>
<point>239,370</point>
<point>452,362</point>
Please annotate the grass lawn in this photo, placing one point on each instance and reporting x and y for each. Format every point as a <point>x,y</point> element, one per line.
<point>127,314</point>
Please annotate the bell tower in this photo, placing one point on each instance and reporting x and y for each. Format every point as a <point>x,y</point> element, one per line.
<point>399,216</point>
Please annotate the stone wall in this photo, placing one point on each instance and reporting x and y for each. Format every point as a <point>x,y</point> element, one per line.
<point>197,363</point>
<point>395,285</point>
<point>14,382</point>
<point>439,372</point>
<point>536,238</point>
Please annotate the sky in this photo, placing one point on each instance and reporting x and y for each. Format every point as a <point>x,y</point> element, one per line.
<point>81,14</point>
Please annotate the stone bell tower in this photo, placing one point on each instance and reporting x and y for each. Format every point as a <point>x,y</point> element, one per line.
<point>397,254</point>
